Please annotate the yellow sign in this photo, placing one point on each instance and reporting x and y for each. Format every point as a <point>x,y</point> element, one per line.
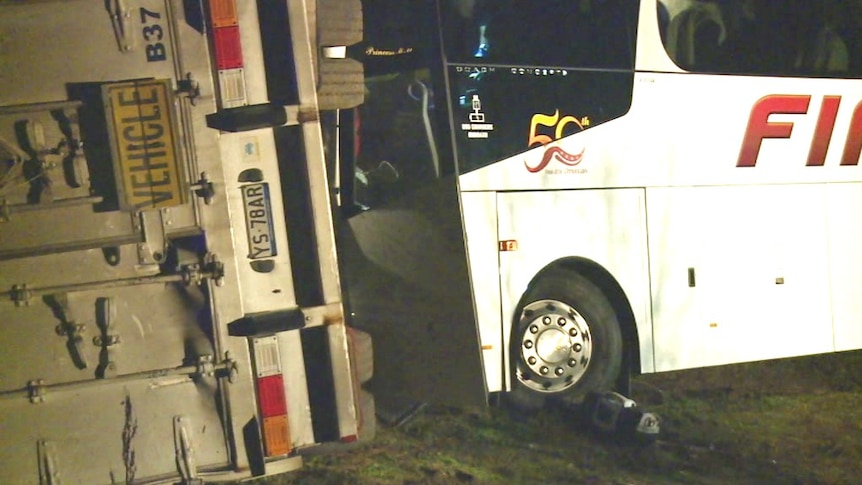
<point>143,136</point>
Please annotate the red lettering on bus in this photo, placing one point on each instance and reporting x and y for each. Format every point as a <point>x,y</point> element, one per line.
<point>759,126</point>
<point>823,131</point>
<point>853,145</point>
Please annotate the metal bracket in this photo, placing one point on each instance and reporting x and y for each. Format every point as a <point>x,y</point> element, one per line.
<point>47,453</point>
<point>205,366</point>
<point>68,327</point>
<point>36,391</point>
<point>20,295</point>
<point>121,21</point>
<point>105,315</point>
<point>230,368</point>
<point>323,315</point>
<point>204,188</point>
<point>155,246</point>
<point>190,88</point>
<point>100,341</point>
<point>184,450</point>
<point>211,268</point>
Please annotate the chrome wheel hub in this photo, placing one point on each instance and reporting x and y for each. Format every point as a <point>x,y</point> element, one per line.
<point>556,346</point>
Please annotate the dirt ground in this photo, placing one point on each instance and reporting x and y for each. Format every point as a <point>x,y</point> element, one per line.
<point>795,421</point>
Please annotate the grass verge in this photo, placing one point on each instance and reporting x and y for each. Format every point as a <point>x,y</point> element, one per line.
<point>794,421</point>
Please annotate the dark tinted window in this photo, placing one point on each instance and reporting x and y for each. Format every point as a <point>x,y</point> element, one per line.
<point>396,141</point>
<point>574,33</point>
<point>500,111</point>
<point>523,73</point>
<point>764,37</point>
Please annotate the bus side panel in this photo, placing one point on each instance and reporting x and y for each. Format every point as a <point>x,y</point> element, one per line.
<point>605,226</point>
<point>843,211</point>
<point>738,274</point>
<point>480,223</point>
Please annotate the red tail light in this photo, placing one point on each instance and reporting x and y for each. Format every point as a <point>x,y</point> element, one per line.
<point>271,396</point>
<point>227,53</point>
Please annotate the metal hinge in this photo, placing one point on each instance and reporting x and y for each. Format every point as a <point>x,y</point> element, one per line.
<point>204,188</point>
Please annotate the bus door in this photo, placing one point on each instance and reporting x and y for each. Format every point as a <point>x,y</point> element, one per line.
<point>528,83</point>
<point>402,247</point>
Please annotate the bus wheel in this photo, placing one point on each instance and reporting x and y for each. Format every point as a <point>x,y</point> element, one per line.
<point>566,343</point>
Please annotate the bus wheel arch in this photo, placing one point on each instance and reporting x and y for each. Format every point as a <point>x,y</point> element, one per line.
<point>572,302</point>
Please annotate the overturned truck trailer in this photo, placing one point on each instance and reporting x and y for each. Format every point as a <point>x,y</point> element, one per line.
<point>170,288</point>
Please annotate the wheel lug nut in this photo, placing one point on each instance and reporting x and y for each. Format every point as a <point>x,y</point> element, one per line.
<point>573,362</point>
<point>528,344</point>
<point>546,320</point>
<point>561,322</point>
<point>544,370</point>
<point>534,329</point>
<point>573,332</point>
<point>577,347</point>
<point>559,371</point>
<point>532,360</point>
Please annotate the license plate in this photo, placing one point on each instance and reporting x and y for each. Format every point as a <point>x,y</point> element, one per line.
<point>258,221</point>
<point>144,142</point>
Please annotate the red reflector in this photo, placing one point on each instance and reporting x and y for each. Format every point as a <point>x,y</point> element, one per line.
<point>349,439</point>
<point>228,50</point>
<point>270,393</point>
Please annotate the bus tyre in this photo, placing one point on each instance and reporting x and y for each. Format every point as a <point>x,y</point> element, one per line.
<point>566,342</point>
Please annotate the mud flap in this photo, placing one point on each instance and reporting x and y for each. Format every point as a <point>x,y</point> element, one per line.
<point>341,80</point>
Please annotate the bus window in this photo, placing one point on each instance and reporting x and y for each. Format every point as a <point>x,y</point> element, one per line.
<point>582,33</point>
<point>397,130</point>
<point>759,37</point>
<point>523,74</point>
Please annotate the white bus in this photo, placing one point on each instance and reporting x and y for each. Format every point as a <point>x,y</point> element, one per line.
<point>621,187</point>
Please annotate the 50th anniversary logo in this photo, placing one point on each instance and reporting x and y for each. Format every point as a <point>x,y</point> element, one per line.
<point>560,126</point>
